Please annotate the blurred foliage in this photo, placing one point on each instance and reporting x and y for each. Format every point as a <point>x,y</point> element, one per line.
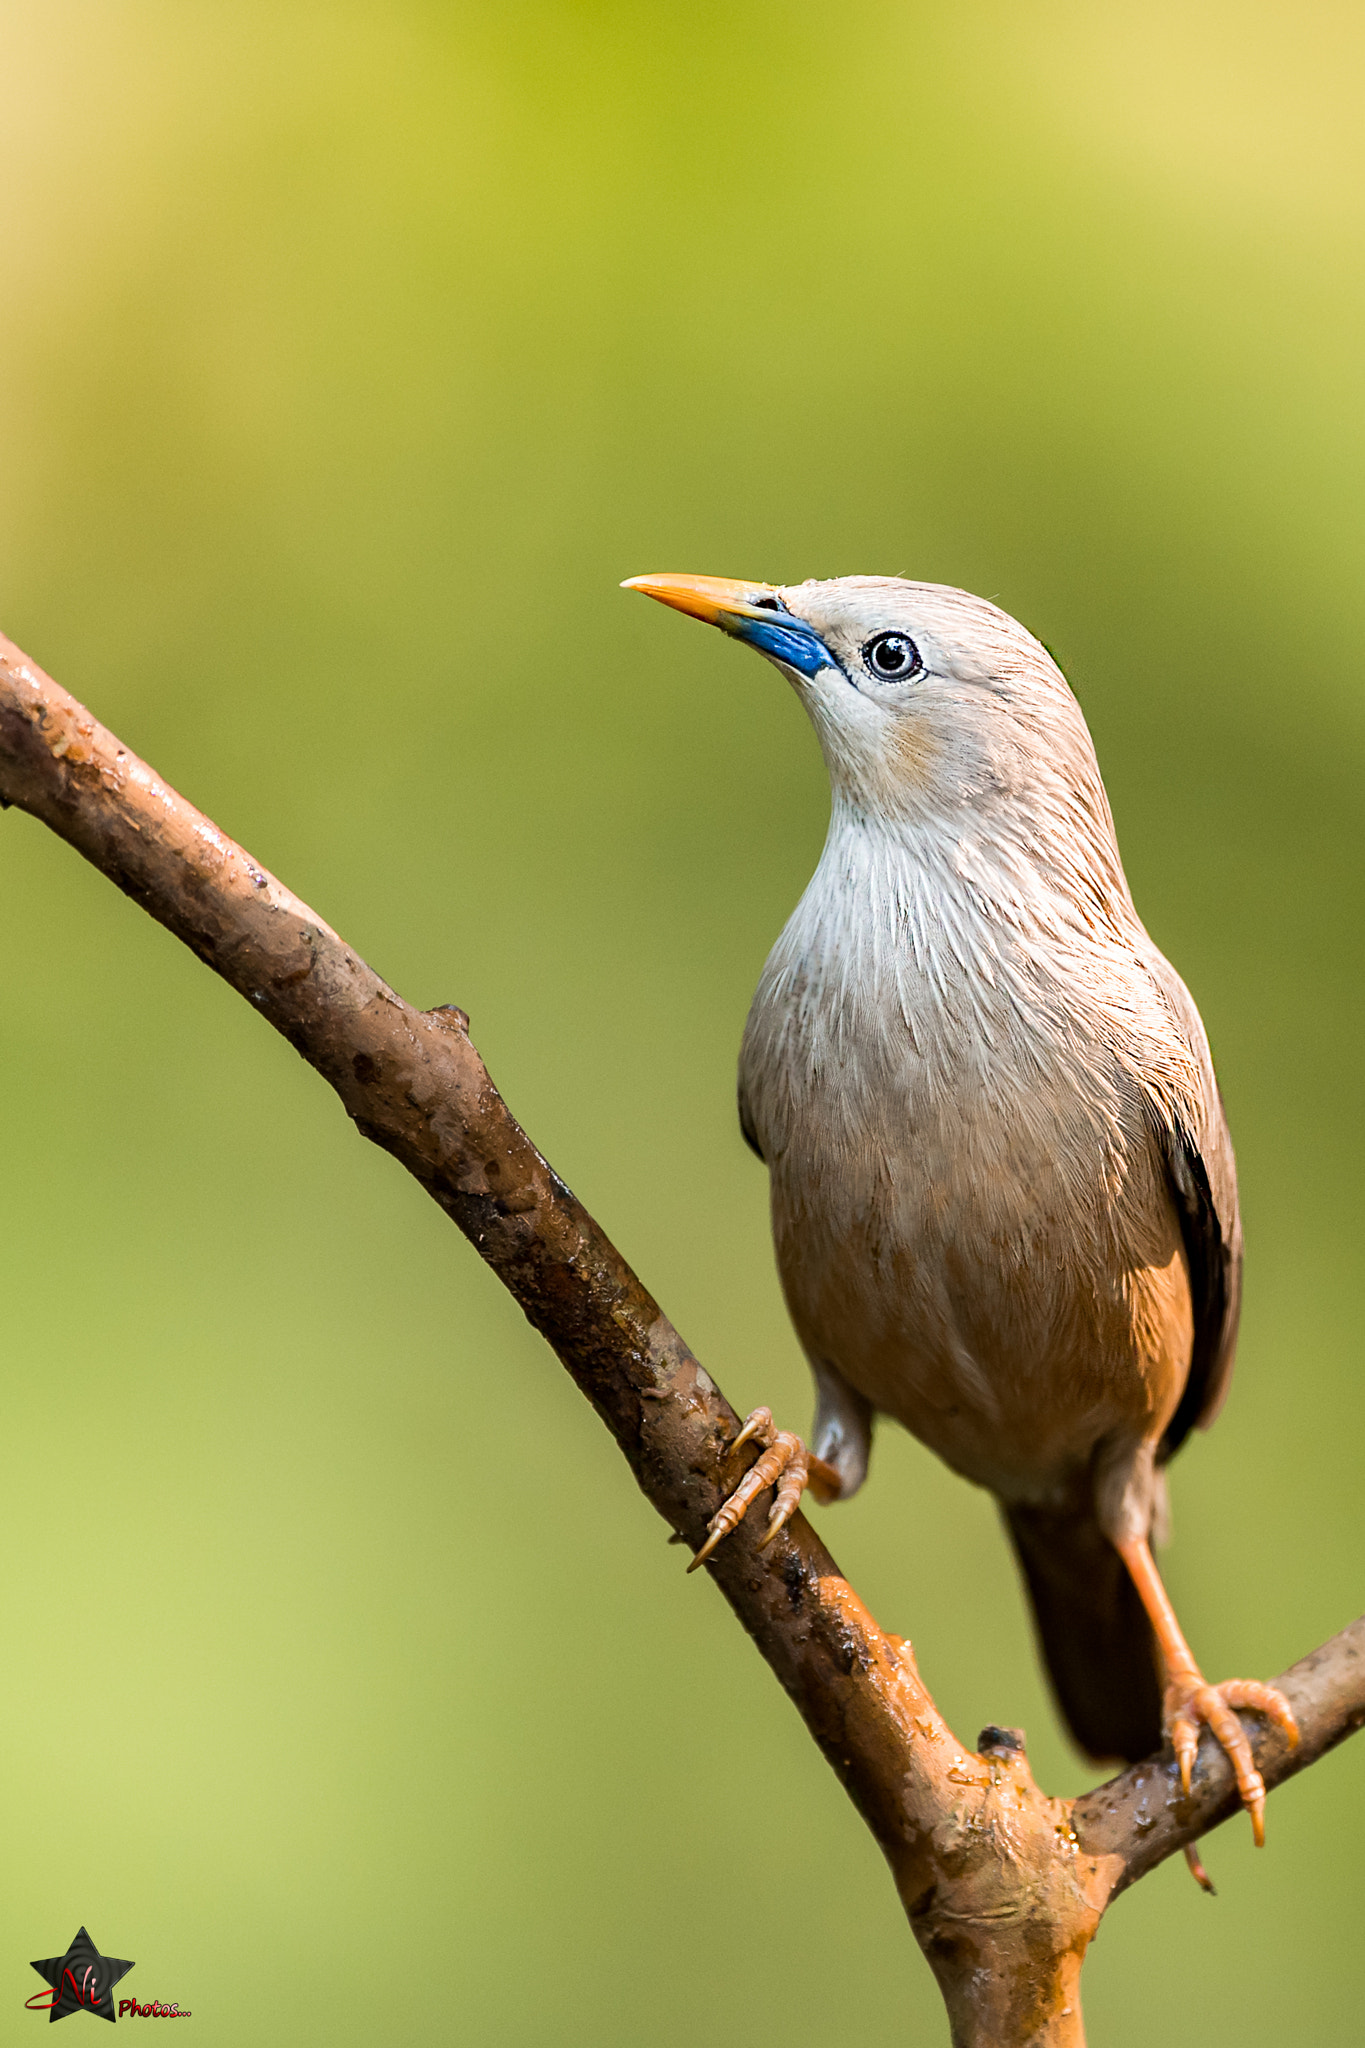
<point>352,354</point>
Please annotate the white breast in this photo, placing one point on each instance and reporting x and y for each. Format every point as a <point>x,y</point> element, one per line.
<point>944,1067</point>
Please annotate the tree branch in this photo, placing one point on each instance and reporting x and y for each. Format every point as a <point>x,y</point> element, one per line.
<point>1003,1886</point>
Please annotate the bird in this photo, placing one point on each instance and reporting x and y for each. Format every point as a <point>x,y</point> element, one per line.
<point>1003,1192</point>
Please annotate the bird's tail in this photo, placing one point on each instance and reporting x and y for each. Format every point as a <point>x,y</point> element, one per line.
<point>1096,1640</point>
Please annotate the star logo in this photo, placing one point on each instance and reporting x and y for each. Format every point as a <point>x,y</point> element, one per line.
<point>81,1979</point>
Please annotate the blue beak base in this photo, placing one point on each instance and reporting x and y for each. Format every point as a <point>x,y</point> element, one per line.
<point>781,637</point>
<point>747,611</point>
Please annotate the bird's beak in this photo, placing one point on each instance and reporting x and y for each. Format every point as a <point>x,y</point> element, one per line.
<point>755,612</point>
<point>719,600</point>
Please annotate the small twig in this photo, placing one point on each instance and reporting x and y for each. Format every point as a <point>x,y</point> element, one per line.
<point>1003,1886</point>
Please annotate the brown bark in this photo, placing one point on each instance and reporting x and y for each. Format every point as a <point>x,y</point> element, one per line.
<point>1003,1886</point>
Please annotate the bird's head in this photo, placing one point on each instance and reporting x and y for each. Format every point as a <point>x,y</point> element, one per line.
<point>924,698</point>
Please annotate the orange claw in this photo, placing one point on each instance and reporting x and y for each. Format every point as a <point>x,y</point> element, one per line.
<point>1190,1701</point>
<point>786,1463</point>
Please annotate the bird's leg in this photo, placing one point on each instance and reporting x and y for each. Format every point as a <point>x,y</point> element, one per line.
<point>1190,1699</point>
<point>785,1463</point>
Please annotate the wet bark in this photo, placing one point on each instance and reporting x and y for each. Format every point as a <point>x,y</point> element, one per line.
<point>1002,1886</point>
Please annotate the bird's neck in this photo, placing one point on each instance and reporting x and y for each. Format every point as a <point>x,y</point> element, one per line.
<point>1005,874</point>
<point>968,917</point>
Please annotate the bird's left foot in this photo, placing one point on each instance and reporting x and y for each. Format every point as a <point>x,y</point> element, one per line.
<point>785,1464</point>
<point>1191,1701</point>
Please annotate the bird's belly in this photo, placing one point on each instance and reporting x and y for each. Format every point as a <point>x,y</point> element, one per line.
<point>1014,1294</point>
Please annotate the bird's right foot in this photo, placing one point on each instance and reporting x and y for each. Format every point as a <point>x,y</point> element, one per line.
<point>785,1464</point>
<point>1192,1702</point>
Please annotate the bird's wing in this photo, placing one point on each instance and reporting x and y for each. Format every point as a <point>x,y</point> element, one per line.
<point>1201,1173</point>
<point>746,1125</point>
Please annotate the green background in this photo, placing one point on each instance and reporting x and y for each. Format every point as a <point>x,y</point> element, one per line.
<point>351,354</point>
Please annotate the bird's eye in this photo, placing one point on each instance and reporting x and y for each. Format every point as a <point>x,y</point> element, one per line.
<point>893,657</point>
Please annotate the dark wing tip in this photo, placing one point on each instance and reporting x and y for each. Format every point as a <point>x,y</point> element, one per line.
<point>747,1131</point>
<point>1213,1280</point>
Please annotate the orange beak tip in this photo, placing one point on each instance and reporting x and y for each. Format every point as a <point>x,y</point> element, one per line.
<point>711,598</point>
